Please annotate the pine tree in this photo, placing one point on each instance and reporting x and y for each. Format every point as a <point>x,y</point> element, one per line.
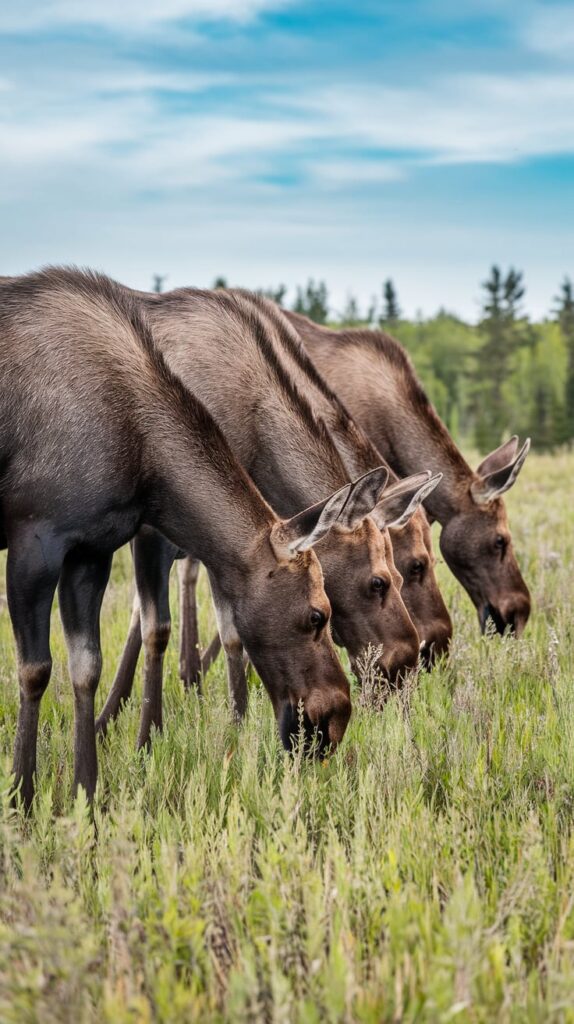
<point>158,280</point>
<point>313,301</point>
<point>219,283</point>
<point>498,327</point>
<point>565,316</point>
<point>391,310</point>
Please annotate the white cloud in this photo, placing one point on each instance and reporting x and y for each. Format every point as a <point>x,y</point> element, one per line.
<point>127,14</point>
<point>30,136</point>
<point>457,119</point>
<point>349,172</point>
<point>101,167</point>
<point>550,30</point>
<point>120,121</point>
<point>139,81</point>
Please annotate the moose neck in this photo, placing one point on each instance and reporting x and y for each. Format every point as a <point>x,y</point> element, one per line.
<point>198,495</point>
<point>414,439</point>
<point>376,382</point>
<point>286,450</point>
<point>356,450</point>
<point>295,462</point>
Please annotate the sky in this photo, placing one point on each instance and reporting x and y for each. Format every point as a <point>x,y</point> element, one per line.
<point>270,141</point>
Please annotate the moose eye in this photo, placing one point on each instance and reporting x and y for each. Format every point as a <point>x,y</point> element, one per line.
<point>378,585</point>
<point>317,619</point>
<point>417,568</point>
<point>501,543</point>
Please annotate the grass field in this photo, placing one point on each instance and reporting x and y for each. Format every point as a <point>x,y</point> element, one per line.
<point>425,872</point>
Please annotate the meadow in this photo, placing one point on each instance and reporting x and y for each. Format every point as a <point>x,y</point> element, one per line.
<point>423,873</point>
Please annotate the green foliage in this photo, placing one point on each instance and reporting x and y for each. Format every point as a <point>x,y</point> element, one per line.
<point>441,349</point>
<point>565,314</point>
<point>424,873</point>
<point>502,335</point>
<point>503,376</point>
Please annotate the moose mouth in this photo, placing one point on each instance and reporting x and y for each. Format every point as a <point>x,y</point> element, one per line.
<point>490,612</point>
<point>427,656</point>
<point>295,726</point>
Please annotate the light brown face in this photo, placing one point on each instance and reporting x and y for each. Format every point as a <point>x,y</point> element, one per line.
<point>477,547</point>
<point>414,559</point>
<point>363,587</point>
<point>283,621</point>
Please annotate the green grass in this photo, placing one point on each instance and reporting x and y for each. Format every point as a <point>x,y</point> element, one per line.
<point>425,872</point>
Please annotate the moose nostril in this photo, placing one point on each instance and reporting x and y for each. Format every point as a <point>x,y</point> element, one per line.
<point>296,727</point>
<point>489,612</point>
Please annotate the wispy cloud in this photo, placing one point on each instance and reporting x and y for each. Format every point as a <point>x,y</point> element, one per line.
<point>549,30</point>
<point>130,14</point>
<point>457,119</point>
<point>271,139</point>
<point>339,173</point>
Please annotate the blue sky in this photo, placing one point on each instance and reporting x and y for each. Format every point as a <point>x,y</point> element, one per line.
<point>273,140</point>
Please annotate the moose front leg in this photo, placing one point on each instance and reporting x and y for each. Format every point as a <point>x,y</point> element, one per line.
<point>190,665</point>
<point>233,648</point>
<point>33,567</point>
<point>81,590</point>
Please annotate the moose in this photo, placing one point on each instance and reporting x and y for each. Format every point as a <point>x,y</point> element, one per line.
<point>411,540</point>
<point>377,382</point>
<point>98,438</point>
<point>226,349</point>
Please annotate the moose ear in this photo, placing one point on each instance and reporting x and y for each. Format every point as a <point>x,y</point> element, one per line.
<point>306,528</point>
<point>363,496</point>
<point>491,486</point>
<point>499,458</point>
<point>401,501</point>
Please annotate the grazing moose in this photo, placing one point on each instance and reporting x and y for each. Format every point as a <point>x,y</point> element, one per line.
<point>221,347</point>
<point>411,541</point>
<point>98,438</point>
<point>376,380</point>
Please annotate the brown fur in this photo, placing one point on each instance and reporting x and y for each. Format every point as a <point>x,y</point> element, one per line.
<point>411,544</point>
<point>97,437</point>
<point>377,382</point>
<point>224,347</point>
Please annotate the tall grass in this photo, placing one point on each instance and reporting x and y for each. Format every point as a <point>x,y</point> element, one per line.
<point>425,872</point>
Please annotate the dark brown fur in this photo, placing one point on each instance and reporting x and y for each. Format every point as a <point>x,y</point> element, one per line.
<point>236,367</point>
<point>221,346</point>
<point>412,544</point>
<point>97,438</point>
<point>377,382</point>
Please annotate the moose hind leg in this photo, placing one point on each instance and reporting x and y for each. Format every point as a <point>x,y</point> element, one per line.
<point>32,574</point>
<point>82,586</point>
<point>121,687</point>
<point>153,559</point>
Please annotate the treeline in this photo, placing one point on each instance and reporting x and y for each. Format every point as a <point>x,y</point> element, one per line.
<point>503,375</point>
